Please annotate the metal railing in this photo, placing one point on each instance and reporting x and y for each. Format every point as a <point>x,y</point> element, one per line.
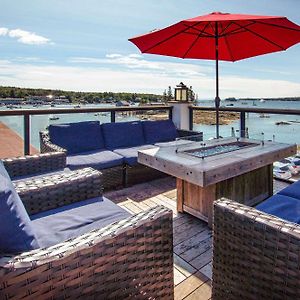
<point>27,113</point>
<point>242,111</point>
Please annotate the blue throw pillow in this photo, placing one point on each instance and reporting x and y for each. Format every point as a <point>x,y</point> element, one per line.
<point>77,137</point>
<point>123,134</point>
<point>159,131</point>
<point>16,230</point>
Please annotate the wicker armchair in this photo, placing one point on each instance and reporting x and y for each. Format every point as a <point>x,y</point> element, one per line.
<point>132,258</point>
<point>255,255</point>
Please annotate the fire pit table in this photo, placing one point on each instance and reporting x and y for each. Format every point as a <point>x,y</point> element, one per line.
<point>239,169</point>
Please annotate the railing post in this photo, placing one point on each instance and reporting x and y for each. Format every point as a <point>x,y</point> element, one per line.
<point>26,134</point>
<point>191,118</point>
<point>242,124</point>
<point>113,116</point>
<point>171,113</point>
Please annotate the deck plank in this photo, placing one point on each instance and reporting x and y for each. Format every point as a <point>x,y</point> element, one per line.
<point>189,285</point>
<point>203,292</point>
<point>192,237</point>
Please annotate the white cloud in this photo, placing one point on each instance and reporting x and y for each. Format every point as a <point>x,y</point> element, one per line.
<point>32,59</point>
<point>3,31</point>
<point>102,78</point>
<point>23,36</point>
<point>139,64</point>
<point>27,37</point>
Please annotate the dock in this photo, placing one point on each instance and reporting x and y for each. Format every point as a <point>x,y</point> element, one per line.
<point>11,144</point>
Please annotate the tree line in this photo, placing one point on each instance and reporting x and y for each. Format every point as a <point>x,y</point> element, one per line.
<point>90,97</point>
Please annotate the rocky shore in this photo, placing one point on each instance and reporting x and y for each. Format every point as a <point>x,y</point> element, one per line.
<point>200,117</point>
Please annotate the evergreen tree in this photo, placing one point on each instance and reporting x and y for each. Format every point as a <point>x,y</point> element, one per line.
<point>169,95</point>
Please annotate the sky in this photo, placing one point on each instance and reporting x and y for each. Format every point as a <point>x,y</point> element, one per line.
<point>83,46</point>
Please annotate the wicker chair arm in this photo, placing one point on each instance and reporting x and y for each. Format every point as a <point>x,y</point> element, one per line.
<point>32,164</point>
<point>47,146</point>
<point>132,258</point>
<point>57,190</point>
<point>255,248</point>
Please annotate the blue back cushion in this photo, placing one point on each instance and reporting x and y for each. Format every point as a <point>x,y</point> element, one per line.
<point>123,134</point>
<point>16,230</point>
<point>77,137</point>
<point>159,131</point>
<point>282,206</point>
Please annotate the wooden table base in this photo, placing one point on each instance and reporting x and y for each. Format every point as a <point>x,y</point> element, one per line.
<point>249,188</point>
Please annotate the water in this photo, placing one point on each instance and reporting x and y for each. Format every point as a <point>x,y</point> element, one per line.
<point>256,125</point>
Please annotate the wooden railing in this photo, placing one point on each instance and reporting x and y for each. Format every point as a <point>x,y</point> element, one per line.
<point>27,113</point>
<point>242,111</point>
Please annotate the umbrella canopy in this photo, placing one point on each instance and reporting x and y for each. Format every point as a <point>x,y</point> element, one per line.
<point>221,36</point>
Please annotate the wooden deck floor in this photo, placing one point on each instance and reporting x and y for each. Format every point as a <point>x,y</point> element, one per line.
<point>192,237</point>
<point>12,144</point>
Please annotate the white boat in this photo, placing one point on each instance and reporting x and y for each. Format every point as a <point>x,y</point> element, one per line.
<point>52,118</point>
<point>262,115</point>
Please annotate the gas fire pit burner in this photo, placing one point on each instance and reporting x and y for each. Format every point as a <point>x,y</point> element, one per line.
<point>218,149</point>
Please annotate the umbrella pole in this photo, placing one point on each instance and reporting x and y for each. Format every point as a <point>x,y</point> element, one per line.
<point>217,99</point>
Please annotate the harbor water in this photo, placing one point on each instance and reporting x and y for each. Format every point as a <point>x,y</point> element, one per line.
<point>288,131</point>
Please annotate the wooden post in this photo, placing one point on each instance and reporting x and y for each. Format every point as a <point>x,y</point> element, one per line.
<point>180,194</point>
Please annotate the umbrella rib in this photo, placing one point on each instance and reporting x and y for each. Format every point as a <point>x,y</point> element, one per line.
<point>260,36</point>
<point>194,42</point>
<point>276,25</point>
<point>170,37</point>
<point>226,41</point>
<point>237,30</point>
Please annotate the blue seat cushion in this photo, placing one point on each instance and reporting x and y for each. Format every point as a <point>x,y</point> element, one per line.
<point>16,231</point>
<point>282,206</point>
<point>292,190</point>
<point>57,225</point>
<point>131,154</point>
<point>123,134</point>
<point>159,131</point>
<point>77,137</point>
<point>97,159</point>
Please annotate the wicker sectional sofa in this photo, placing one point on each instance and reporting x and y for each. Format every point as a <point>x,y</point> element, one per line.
<point>256,251</point>
<point>61,239</point>
<point>111,148</point>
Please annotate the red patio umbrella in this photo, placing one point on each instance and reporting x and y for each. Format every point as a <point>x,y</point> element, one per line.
<point>221,36</point>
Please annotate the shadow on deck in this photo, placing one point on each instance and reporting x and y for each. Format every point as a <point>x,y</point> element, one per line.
<point>192,237</point>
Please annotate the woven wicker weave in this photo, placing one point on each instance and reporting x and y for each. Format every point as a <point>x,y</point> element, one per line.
<point>52,191</point>
<point>141,173</point>
<point>47,146</point>
<point>33,164</point>
<point>131,259</point>
<point>255,255</point>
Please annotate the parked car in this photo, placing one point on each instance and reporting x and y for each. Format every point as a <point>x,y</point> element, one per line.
<point>281,170</point>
